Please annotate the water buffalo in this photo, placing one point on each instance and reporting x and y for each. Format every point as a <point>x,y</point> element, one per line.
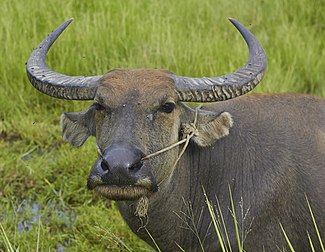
<point>268,150</point>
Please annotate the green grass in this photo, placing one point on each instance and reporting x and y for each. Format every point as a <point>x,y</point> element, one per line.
<point>316,228</point>
<point>221,232</point>
<point>319,242</point>
<point>191,37</point>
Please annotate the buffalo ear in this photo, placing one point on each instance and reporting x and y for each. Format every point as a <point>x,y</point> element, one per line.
<point>78,126</point>
<point>212,127</point>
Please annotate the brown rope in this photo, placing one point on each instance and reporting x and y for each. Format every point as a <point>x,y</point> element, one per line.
<point>189,131</point>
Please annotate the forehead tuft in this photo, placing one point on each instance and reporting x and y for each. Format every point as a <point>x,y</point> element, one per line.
<point>127,83</point>
<point>150,77</point>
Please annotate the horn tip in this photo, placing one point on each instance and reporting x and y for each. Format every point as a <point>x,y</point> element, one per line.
<point>233,21</point>
<point>69,21</point>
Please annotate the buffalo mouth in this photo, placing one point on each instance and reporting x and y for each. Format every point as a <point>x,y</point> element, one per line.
<point>122,192</point>
<point>143,187</point>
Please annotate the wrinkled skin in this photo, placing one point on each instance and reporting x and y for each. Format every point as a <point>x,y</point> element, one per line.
<point>269,149</point>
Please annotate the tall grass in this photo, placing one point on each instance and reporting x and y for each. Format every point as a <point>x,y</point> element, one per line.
<point>191,37</point>
<point>316,228</point>
<point>222,234</point>
<point>7,244</point>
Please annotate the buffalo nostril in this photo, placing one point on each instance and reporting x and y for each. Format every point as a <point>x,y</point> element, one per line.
<point>104,165</point>
<point>137,166</point>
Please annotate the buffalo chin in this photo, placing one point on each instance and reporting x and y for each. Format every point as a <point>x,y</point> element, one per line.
<point>119,193</point>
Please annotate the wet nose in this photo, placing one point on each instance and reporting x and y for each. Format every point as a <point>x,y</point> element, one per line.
<point>122,159</point>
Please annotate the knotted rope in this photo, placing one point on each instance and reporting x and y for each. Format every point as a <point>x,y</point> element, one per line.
<point>189,130</point>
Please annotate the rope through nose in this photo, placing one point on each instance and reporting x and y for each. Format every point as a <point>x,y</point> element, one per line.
<point>189,131</point>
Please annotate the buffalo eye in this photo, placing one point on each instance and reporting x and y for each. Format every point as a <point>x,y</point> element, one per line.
<point>168,107</point>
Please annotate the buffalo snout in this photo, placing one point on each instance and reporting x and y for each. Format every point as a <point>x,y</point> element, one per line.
<point>121,173</point>
<point>123,159</point>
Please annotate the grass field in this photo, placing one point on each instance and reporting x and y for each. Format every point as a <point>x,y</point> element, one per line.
<point>44,203</point>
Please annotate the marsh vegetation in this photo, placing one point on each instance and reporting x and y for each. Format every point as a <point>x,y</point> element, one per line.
<point>44,202</point>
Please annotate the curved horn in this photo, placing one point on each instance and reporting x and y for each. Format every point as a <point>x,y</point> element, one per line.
<point>227,86</point>
<point>56,84</point>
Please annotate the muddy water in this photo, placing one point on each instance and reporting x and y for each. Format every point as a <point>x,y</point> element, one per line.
<point>29,213</point>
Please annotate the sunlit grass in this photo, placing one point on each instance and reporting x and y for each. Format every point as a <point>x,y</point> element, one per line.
<point>316,228</point>
<point>311,242</point>
<point>220,228</point>
<point>5,239</point>
<point>222,234</point>
<point>287,238</point>
<point>190,37</point>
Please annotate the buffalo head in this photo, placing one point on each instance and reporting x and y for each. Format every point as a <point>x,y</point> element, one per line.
<point>138,112</point>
